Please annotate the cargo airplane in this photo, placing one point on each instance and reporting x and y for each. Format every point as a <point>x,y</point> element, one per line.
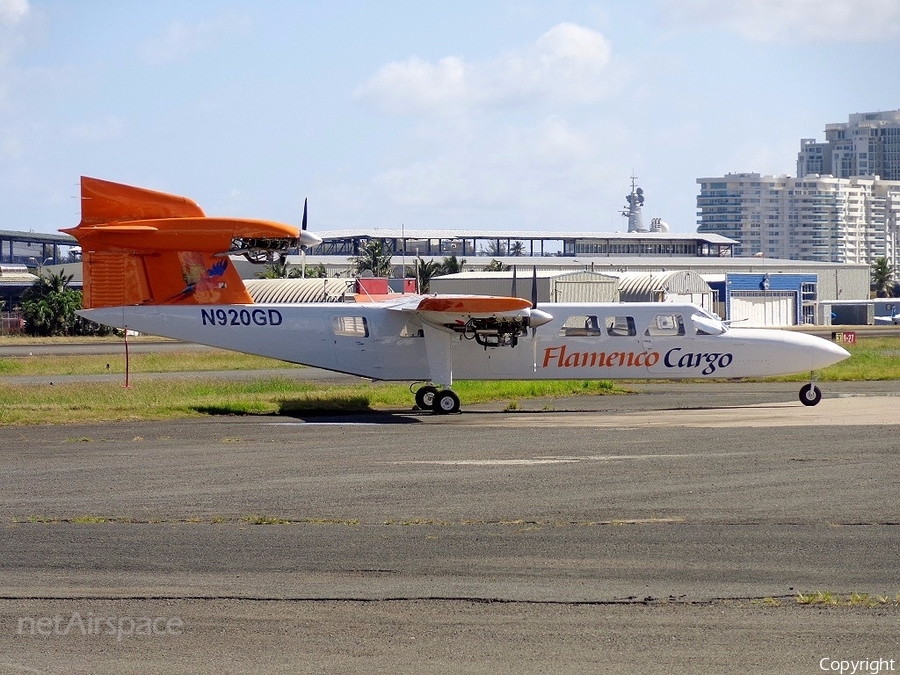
<point>155,263</point>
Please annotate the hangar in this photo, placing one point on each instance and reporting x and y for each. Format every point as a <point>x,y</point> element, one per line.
<point>552,285</point>
<point>668,286</point>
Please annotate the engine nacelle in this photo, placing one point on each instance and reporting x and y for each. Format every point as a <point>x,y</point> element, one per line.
<point>496,331</point>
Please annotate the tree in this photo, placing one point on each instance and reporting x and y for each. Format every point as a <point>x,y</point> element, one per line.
<point>374,258</point>
<point>452,265</point>
<point>496,266</point>
<point>517,249</point>
<point>278,269</point>
<point>49,306</point>
<point>316,271</point>
<point>281,270</point>
<point>424,272</point>
<point>882,276</point>
<point>494,248</point>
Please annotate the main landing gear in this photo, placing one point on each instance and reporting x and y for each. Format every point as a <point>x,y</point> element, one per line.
<point>441,402</point>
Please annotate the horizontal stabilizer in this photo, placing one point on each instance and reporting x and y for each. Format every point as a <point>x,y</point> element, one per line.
<point>103,201</point>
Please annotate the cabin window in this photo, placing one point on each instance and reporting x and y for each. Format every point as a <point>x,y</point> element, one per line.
<point>351,326</point>
<point>666,324</point>
<point>620,326</point>
<point>581,326</point>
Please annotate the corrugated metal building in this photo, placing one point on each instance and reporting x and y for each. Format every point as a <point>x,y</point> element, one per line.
<point>299,290</point>
<point>552,285</point>
<point>669,286</point>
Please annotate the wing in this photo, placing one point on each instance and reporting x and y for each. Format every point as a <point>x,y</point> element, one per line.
<point>491,321</point>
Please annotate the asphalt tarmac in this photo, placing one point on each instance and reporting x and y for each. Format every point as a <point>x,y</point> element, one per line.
<point>668,531</point>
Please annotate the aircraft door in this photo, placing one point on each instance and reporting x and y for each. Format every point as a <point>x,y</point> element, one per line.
<point>665,331</point>
<point>354,345</point>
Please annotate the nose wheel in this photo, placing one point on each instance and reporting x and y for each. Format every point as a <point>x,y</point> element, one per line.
<point>440,402</point>
<point>810,394</point>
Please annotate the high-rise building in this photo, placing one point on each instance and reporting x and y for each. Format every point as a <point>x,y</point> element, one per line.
<point>867,145</point>
<point>816,217</point>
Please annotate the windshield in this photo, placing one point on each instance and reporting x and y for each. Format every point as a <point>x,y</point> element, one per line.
<point>707,324</point>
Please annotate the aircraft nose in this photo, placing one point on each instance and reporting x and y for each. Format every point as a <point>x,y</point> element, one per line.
<point>827,353</point>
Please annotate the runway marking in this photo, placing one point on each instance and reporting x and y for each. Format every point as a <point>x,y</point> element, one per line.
<point>488,462</point>
<point>856,411</point>
<point>323,424</point>
<point>537,461</point>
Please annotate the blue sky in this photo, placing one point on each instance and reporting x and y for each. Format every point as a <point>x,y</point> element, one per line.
<point>490,114</point>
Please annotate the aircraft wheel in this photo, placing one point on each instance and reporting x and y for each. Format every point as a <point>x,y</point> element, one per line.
<point>425,397</point>
<point>810,394</point>
<point>446,402</point>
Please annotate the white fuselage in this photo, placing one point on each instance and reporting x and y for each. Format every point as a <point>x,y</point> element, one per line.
<point>582,341</point>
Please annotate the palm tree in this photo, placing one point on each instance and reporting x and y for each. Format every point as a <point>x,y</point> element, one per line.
<point>494,248</point>
<point>373,257</point>
<point>423,273</point>
<point>452,265</point>
<point>49,306</point>
<point>496,266</point>
<point>316,271</point>
<point>517,249</point>
<point>278,269</point>
<point>882,276</point>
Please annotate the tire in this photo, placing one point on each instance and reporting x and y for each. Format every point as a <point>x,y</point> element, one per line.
<point>810,394</point>
<point>446,402</point>
<point>425,397</point>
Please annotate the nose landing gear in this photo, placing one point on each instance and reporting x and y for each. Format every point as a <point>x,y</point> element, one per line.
<point>810,394</point>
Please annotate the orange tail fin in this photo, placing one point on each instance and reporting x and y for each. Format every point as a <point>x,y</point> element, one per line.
<point>144,247</point>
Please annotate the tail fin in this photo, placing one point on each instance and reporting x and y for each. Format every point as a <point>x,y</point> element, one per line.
<point>142,247</point>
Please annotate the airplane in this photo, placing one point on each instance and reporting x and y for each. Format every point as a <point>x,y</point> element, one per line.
<point>153,262</point>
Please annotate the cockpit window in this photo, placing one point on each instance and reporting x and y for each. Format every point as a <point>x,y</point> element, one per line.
<point>707,324</point>
<point>666,324</point>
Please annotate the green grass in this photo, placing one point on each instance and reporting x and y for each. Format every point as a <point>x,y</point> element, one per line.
<point>68,403</point>
<point>871,358</point>
<point>162,362</point>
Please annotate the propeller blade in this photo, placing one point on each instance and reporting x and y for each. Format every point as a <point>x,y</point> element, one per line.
<point>513,290</point>
<point>307,238</point>
<point>534,290</point>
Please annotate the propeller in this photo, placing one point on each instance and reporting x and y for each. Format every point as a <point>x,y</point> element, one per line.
<point>307,238</point>
<point>302,247</point>
<point>536,317</point>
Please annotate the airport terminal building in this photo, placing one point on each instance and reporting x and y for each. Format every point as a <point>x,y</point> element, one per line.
<point>760,290</point>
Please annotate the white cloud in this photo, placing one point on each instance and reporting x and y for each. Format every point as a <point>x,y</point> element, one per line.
<point>567,63</point>
<point>548,171</point>
<point>790,21</point>
<point>415,85</point>
<point>181,40</point>
<point>13,11</point>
